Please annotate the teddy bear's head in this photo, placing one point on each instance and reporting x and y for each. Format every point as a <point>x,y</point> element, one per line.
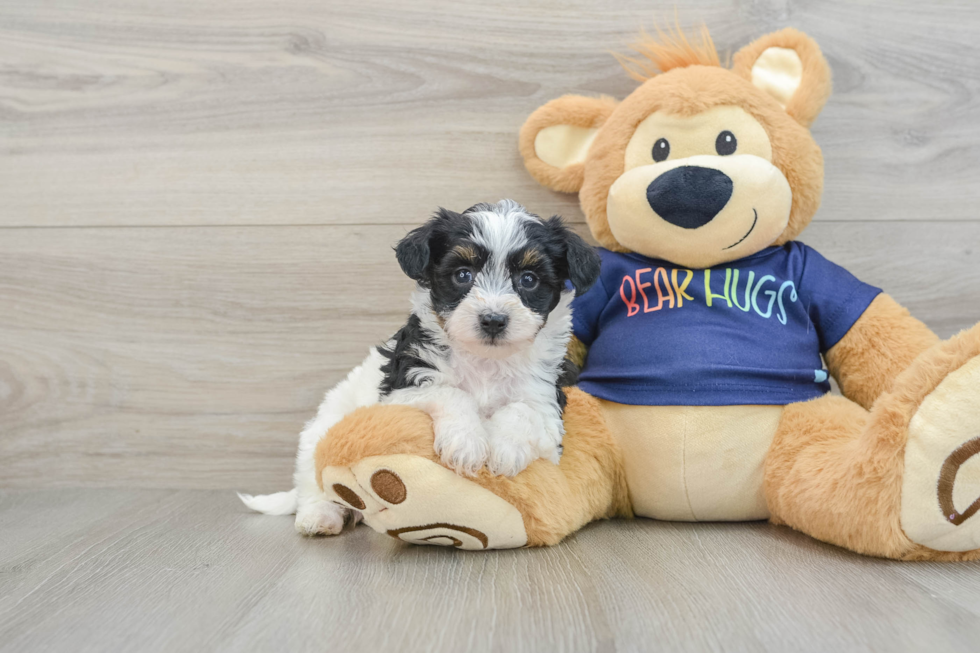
<point>699,165</point>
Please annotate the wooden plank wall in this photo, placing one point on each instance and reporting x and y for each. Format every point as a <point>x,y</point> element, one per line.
<point>198,198</point>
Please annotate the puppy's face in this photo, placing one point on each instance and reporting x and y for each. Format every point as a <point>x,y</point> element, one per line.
<point>495,272</point>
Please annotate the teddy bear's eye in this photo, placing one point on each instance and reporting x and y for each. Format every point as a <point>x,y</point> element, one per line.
<point>661,150</point>
<point>725,144</point>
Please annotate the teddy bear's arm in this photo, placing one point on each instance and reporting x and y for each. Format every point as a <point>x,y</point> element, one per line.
<point>577,352</point>
<point>880,345</point>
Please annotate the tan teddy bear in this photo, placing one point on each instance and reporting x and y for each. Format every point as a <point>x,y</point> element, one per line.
<point>703,393</point>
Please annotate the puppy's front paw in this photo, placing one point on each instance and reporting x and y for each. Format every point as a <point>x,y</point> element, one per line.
<point>461,442</point>
<point>323,518</point>
<point>517,439</point>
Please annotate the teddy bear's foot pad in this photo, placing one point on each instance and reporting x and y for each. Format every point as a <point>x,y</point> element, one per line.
<point>941,485</point>
<point>417,500</point>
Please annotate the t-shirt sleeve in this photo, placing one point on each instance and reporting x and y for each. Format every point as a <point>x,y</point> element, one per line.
<point>834,297</point>
<point>585,312</point>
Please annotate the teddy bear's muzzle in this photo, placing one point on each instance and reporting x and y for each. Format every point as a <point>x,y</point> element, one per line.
<point>690,196</point>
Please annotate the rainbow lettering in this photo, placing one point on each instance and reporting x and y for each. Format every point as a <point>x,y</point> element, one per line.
<point>671,292</point>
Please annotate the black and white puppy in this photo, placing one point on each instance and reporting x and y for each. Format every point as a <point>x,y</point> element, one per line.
<point>483,351</point>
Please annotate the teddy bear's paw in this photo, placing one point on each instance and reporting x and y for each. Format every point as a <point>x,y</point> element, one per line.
<point>322,518</point>
<point>461,442</point>
<point>417,500</point>
<point>941,484</point>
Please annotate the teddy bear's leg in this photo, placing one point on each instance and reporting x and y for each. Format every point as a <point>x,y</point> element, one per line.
<point>380,461</point>
<point>901,480</point>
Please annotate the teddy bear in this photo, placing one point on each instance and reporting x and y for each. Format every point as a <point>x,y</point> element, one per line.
<point>703,393</point>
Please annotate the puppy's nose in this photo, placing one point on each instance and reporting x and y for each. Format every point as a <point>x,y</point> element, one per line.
<point>493,324</point>
<point>689,196</point>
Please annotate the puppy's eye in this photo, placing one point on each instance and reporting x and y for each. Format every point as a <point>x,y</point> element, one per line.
<point>661,150</point>
<point>463,276</point>
<point>529,281</point>
<point>725,144</point>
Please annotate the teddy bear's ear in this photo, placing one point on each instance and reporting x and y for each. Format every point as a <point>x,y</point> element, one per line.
<point>789,66</point>
<point>556,138</point>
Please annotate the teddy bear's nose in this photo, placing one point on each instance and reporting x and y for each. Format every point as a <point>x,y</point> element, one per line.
<point>689,196</point>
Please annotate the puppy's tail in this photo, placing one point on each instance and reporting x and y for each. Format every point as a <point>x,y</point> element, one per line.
<point>280,503</point>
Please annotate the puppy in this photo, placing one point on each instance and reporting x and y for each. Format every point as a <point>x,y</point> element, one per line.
<point>483,351</point>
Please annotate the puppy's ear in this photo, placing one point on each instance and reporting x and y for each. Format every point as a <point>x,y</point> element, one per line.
<point>413,252</point>
<point>581,258</point>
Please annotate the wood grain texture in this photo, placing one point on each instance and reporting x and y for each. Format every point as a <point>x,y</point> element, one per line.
<point>190,357</point>
<point>158,570</point>
<point>313,112</point>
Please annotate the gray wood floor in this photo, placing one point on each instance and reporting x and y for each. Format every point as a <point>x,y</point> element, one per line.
<point>189,570</point>
<point>197,204</point>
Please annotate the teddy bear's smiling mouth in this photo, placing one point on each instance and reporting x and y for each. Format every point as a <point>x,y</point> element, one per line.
<point>755,220</point>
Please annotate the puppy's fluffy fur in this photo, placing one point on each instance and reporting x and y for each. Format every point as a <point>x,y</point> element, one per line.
<point>483,351</point>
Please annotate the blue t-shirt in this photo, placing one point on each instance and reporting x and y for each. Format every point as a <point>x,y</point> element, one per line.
<point>747,332</point>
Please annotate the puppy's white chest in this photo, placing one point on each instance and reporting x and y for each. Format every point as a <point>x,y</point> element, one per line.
<point>490,386</point>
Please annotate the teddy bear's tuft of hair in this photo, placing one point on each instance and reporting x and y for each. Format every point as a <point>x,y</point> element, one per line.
<point>666,51</point>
